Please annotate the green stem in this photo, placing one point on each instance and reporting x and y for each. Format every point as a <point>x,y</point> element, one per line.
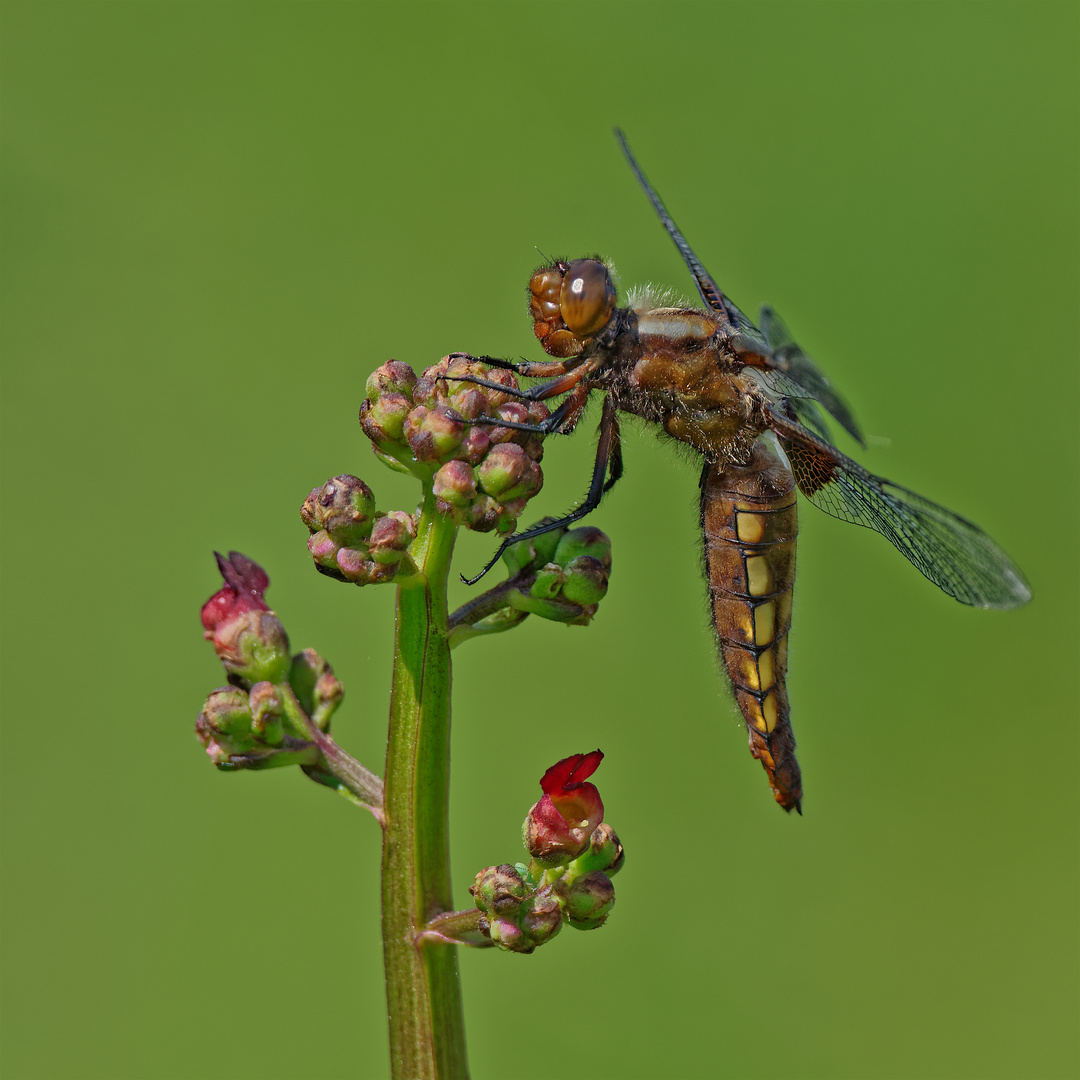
<point>427,1031</point>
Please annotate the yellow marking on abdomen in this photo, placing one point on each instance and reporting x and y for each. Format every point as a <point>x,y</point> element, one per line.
<point>750,528</point>
<point>768,710</point>
<point>762,715</point>
<point>758,575</point>
<point>764,623</point>
<point>766,670</point>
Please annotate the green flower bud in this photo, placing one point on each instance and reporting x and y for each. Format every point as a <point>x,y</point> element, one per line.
<point>224,726</point>
<point>586,540</point>
<point>253,647</point>
<point>235,739</point>
<point>394,376</point>
<point>355,566</point>
<point>383,419</point>
<point>316,687</point>
<point>589,900</point>
<point>467,401</point>
<point>455,486</point>
<point>586,581</point>
<point>264,700</point>
<point>425,425</point>
<point>507,472</point>
<point>547,583</point>
<point>534,553</point>
<point>605,852</point>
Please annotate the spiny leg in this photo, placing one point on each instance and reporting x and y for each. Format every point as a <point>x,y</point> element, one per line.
<point>531,369</point>
<point>608,442</point>
<point>615,462</point>
<point>566,380</point>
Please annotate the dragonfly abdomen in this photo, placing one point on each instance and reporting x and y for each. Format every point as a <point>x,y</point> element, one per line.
<point>749,527</point>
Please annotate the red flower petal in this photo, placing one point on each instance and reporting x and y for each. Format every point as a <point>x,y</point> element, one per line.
<point>569,773</point>
<point>245,583</point>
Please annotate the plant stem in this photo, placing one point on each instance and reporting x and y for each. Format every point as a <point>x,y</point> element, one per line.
<point>427,1031</point>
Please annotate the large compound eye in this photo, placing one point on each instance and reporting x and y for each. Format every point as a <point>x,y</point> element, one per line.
<point>587,297</point>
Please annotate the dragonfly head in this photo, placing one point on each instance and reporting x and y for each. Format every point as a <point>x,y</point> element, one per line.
<point>570,302</point>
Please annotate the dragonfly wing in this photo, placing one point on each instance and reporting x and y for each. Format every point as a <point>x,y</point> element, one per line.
<point>709,290</point>
<point>954,553</point>
<point>795,375</point>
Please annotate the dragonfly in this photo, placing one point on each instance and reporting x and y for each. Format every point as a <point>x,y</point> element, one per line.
<point>754,405</point>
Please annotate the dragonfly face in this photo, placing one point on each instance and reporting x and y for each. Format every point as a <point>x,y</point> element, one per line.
<point>751,402</point>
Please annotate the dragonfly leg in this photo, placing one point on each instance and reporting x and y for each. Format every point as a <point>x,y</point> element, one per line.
<point>615,461</point>
<point>565,380</point>
<point>561,422</point>
<point>530,369</point>
<point>609,436</point>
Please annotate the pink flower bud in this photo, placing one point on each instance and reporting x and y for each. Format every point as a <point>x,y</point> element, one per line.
<point>558,827</point>
<point>248,638</point>
<point>395,376</point>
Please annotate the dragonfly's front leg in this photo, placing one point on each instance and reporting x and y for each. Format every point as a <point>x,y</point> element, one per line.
<point>608,463</point>
<point>562,377</point>
<point>531,369</point>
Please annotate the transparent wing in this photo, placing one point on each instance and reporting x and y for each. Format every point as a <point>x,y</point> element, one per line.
<point>955,554</point>
<point>796,376</point>
<point>787,369</point>
<point>709,290</point>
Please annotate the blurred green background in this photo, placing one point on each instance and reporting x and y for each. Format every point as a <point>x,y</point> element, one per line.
<point>218,218</point>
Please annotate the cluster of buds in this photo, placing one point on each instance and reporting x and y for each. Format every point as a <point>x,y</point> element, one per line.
<point>482,474</point>
<point>264,718</point>
<point>560,575</point>
<point>574,855</point>
<point>350,540</point>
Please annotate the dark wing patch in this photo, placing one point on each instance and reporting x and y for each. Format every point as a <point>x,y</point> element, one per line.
<point>954,553</point>
<point>796,376</point>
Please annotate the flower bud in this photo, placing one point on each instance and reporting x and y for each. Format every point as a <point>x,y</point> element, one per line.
<point>499,889</point>
<point>264,700</point>
<point>355,566</point>
<point>558,827</point>
<point>586,581</point>
<point>474,446</point>
<point>395,376</point>
<point>248,637</point>
<point>316,687</point>
<point>533,553</point>
<point>507,472</point>
<point>585,540</point>
<point>589,900</point>
<point>350,541</point>
<point>235,738</point>
<point>423,425</point>
<point>344,507</point>
<point>605,852</point>
<point>392,534</point>
<point>323,549</point>
<point>433,434</point>
<point>224,724</point>
<point>542,916</point>
<point>455,486</point>
<point>383,420</point>
<point>515,917</point>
